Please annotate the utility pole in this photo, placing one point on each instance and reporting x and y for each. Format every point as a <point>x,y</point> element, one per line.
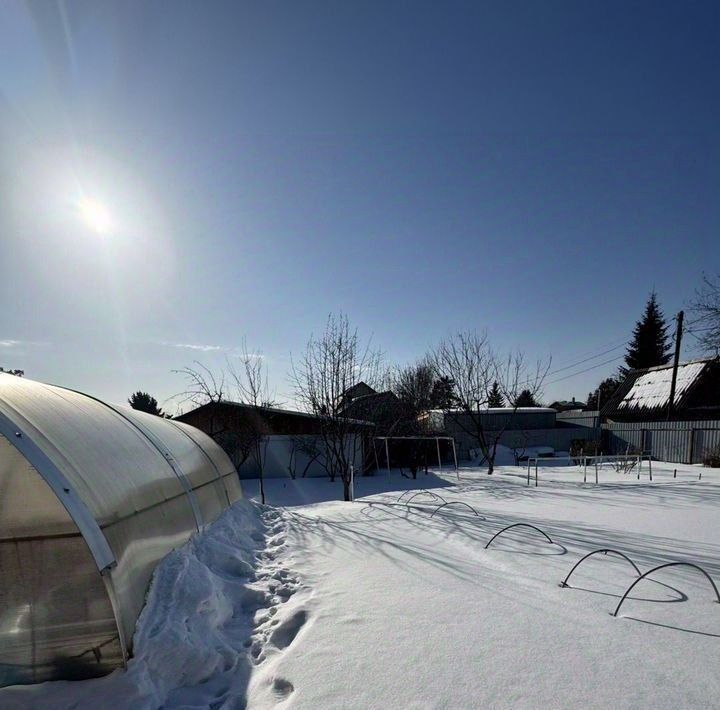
<point>676,362</point>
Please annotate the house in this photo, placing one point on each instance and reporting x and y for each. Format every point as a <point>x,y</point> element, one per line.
<point>639,416</point>
<point>361,389</point>
<point>515,428</point>
<point>384,409</point>
<point>288,442</point>
<point>644,395</point>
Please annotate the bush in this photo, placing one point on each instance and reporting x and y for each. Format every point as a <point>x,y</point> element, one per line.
<point>711,457</point>
<point>587,447</point>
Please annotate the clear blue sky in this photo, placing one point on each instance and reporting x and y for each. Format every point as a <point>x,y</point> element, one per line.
<point>533,168</point>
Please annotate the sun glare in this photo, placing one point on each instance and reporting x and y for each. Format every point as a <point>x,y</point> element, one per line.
<point>95,215</point>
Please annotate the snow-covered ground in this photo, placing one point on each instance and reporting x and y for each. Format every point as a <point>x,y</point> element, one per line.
<point>316,603</point>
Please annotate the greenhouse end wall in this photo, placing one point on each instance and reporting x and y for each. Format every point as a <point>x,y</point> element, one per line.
<point>92,496</point>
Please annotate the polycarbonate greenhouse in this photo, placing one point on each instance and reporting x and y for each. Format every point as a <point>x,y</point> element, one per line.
<point>92,496</point>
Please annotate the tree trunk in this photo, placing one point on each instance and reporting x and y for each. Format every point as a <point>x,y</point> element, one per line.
<point>346,489</point>
<point>262,485</point>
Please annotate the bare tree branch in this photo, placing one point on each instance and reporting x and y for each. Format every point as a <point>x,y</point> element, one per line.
<point>705,326</point>
<point>331,364</point>
<point>469,361</point>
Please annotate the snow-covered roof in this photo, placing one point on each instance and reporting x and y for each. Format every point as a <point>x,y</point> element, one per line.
<point>652,390</point>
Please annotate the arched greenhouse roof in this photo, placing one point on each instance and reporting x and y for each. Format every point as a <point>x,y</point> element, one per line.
<point>92,496</point>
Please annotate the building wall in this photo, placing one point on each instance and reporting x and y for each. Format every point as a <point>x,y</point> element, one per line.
<point>676,441</point>
<point>519,421</point>
<point>283,457</point>
<point>559,439</point>
<point>589,418</point>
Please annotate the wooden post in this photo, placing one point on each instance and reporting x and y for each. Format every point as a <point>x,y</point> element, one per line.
<point>536,465</point>
<point>692,445</point>
<point>676,362</point>
<point>437,443</point>
<point>387,456</point>
<point>596,471</point>
<point>457,470</point>
<point>377,461</point>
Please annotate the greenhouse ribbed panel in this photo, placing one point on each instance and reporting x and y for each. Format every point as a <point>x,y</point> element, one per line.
<point>92,496</point>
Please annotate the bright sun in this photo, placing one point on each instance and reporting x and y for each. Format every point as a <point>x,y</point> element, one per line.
<point>95,215</point>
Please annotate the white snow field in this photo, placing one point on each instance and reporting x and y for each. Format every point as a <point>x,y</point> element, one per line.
<point>316,603</point>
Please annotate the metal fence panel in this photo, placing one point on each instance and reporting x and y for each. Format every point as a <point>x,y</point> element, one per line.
<point>675,442</point>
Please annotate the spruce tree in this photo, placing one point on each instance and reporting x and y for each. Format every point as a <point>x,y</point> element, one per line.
<point>495,398</point>
<point>602,394</point>
<point>650,344</point>
<point>144,402</point>
<point>443,393</point>
<point>526,399</point>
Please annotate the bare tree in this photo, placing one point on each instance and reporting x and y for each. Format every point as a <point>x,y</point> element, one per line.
<point>251,388</point>
<point>202,386</point>
<point>244,434</point>
<point>330,365</point>
<point>705,326</point>
<point>310,446</point>
<point>468,360</point>
<point>414,385</point>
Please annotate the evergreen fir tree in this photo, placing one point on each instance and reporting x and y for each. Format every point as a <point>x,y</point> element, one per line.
<point>526,399</point>
<point>605,390</point>
<point>144,402</point>
<point>495,398</point>
<point>443,393</point>
<point>650,344</point>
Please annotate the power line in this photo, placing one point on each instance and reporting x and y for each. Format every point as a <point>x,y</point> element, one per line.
<point>587,369</point>
<point>579,362</point>
<point>587,359</point>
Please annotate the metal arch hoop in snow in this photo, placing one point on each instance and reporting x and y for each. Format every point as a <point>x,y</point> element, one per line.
<point>456,502</point>
<point>519,525</point>
<point>564,583</point>
<point>667,564</point>
<point>424,493</point>
<point>410,491</point>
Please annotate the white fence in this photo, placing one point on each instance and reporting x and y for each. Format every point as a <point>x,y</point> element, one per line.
<point>297,456</point>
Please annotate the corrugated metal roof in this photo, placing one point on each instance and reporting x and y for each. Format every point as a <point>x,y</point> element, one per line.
<point>652,390</point>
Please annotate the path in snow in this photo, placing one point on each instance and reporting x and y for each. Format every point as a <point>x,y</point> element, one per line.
<point>220,610</point>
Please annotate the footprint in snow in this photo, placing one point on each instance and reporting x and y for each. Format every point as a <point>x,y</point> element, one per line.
<point>282,687</point>
<point>286,632</point>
